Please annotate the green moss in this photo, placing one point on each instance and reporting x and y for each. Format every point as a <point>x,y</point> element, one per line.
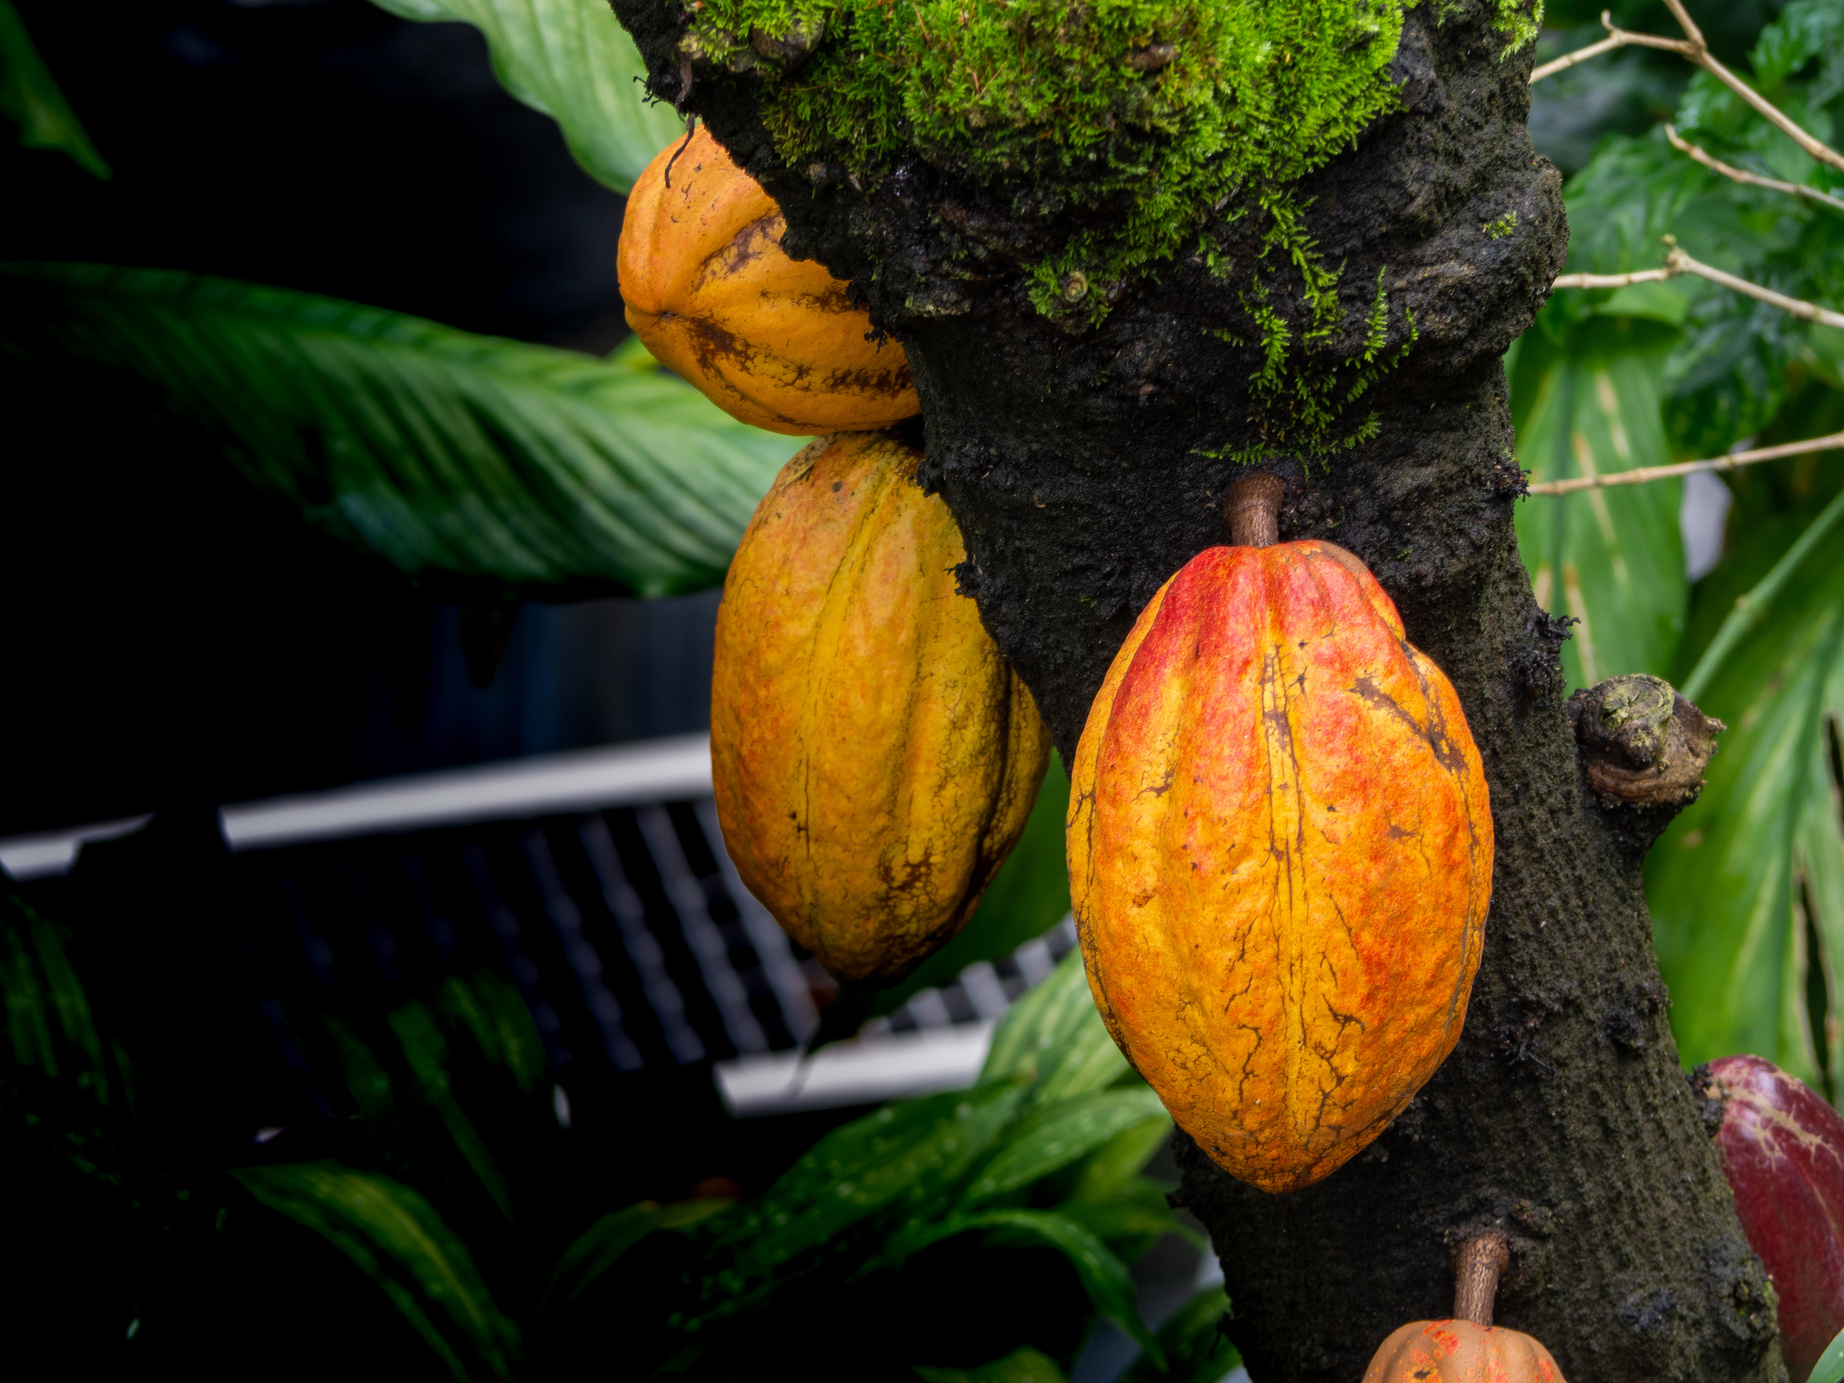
<point>1500,228</point>
<point>1184,113</point>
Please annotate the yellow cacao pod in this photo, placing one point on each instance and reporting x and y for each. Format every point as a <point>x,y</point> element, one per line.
<point>874,756</point>
<point>772,341</point>
<point>1280,855</point>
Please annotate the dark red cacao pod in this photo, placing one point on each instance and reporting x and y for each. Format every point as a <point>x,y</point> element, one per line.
<point>1782,1149</point>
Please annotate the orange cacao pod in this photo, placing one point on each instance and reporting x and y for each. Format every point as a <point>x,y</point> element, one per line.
<point>1280,854</point>
<point>772,341</point>
<point>874,756</point>
<point>1461,1352</point>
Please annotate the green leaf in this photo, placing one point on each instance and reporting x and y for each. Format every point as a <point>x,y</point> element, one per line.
<point>572,60</point>
<point>605,1242</point>
<point>1830,1365</point>
<point>1116,1165</point>
<point>1104,1277</point>
<point>1613,557</point>
<point>48,1017</point>
<point>1025,1365</point>
<point>1132,1222</point>
<point>1758,860</point>
<point>1028,897</point>
<point>895,1160</point>
<point>1056,1135</point>
<point>427,1054</point>
<point>440,451</point>
<point>491,1010</point>
<point>30,98</point>
<point>1054,1036</point>
<point>1195,1349</point>
<point>396,1238</point>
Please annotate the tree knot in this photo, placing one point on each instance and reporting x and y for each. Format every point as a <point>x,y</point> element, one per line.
<point>1641,744</point>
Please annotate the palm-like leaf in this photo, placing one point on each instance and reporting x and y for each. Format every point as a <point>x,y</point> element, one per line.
<point>441,451</point>
<point>573,61</point>
<point>1755,867</point>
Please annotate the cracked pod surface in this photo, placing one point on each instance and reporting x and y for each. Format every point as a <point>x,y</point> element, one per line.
<point>1280,855</point>
<point>772,341</point>
<point>874,756</point>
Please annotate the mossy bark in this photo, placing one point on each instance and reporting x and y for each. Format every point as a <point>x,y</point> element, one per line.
<point>1079,465</point>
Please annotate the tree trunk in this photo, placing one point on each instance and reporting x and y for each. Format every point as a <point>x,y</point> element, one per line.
<point>1084,469</point>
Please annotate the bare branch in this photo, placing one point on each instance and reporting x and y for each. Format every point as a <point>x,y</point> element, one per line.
<point>1677,260</point>
<point>1742,175</point>
<point>1568,60</point>
<point>1614,280</point>
<point>1733,461</point>
<point>1693,49</point>
<point>1685,22</point>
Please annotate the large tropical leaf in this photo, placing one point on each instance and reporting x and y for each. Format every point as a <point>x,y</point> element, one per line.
<point>572,60</point>
<point>441,451</point>
<point>1752,874</point>
<point>1613,558</point>
<point>396,1238</point>
<point>31,99</point>
<point>1104,1277</point>
<point>1054,1036</point>
<point>1025,1365</point>
<point>1196,1350</point>
<point>1054,1137</point>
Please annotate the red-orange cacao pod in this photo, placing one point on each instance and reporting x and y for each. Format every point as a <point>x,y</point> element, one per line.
<point>772,341</point>
<point>1280,854</point>
<point>1461,1352</point>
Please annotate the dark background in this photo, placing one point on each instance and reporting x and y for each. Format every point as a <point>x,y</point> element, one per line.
<point>172,637</point>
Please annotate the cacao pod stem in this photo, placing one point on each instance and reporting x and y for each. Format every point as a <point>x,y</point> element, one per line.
<point>1253,510</point>
<point>1475,1281</point>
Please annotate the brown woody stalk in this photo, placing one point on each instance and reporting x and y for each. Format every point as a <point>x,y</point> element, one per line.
<point>1253,510</point>
<point>1481,1261</point>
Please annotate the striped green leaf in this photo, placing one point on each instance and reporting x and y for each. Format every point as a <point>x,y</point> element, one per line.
<point>1751,876</point>
<point>574,62</point>
<point>1613,558</point>
<point>440,451</point>
<point>31,98</point>
<point>396,1239</point>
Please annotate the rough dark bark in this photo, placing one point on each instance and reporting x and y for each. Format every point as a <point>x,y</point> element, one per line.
<point>1072,462</point>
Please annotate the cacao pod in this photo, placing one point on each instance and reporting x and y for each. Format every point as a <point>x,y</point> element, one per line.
<point>772,341</point>
<point>1782,1150</point>
<point>1461,1352</point>
<point>1280,855</point>
<point>874,756</point>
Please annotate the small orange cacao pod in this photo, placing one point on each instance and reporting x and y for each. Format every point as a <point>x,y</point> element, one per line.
<point>874,756</point>
<point>772,341</point>
<point>1280,854</point>
<point>1461,1352</point>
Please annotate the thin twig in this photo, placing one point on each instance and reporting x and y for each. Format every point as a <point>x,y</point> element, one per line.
<point>1613,280</point>
<point>1677,262</point>
<point>1568,60</point>
<point>1733,461</point>
<point>1742,175</point>
<point>1692,48</point>
<point>1810,312</point>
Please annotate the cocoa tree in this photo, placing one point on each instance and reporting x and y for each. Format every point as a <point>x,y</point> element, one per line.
<point>1091,391</point>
